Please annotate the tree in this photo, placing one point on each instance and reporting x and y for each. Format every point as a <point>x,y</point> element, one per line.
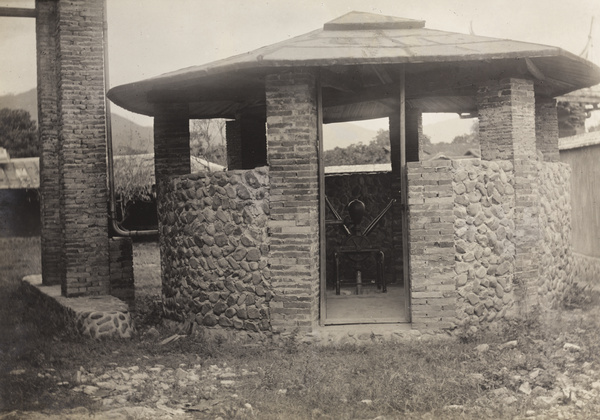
<point>471,138</point>
<point>376,151</point>
<point>18,133</point>
<point>207,140</point>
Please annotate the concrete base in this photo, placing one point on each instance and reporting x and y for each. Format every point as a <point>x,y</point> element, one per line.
<point>93,316</point>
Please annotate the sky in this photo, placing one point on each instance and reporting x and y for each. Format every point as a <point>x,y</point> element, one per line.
<point>151,37</point>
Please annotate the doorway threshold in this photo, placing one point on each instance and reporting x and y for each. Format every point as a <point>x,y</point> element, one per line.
<point>363,333</point>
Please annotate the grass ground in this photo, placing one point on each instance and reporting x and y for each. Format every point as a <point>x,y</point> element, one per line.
<point>517,371</point>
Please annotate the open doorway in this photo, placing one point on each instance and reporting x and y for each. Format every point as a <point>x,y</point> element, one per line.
<point>364,258</point>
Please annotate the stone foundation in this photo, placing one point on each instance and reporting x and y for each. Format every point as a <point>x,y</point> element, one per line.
<point>95,317</point>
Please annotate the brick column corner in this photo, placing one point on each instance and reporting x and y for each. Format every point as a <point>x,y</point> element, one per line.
<point>546,128</point>
<point>294,199</point>
<point>507,119</point>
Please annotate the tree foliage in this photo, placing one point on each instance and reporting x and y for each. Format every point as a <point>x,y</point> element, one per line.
<point>471,138</point>
<point>207,140</point>
<point>18,133</point>
<point>376,151</point>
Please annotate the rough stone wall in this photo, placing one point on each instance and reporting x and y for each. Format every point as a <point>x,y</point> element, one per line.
<point>214,249</point>
<point>375,191</point>
<point>485,237</point>
<point>556,271</point>
<point>294,198</point>
<point>431,245</point>
<point>484,201</point>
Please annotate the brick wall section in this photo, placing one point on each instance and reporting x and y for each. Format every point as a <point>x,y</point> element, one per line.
<point>82,157</point>
<point>294,204</point>
<point>506,119</point>
<point>171,142</point>
<point>233,135</point>
<point>47,90</point>
<point>431,238</point>
<point>121,269</point>
<point>527,233</point>
<point>546,128</point>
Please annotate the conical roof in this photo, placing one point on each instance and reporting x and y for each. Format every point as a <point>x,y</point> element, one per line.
<point>359,56</point>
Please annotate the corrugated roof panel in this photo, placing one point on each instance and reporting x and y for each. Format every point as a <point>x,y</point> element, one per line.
<point>20,173</point>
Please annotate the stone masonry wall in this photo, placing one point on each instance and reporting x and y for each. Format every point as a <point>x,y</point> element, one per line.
<point>485,239</point>
<point>484,201</point>
<point>556,270</point>
<point>214,249</point>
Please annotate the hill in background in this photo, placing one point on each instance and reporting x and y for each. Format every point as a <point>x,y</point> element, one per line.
<point>132,138</point>
<point>128,137</point>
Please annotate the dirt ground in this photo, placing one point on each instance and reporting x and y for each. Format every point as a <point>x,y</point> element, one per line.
<point>547,367</point>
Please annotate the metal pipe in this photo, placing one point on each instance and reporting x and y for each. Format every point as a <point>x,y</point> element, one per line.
<point>17,12</point>
<point>117,228</point>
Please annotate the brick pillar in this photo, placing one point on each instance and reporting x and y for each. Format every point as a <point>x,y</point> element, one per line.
<point>507,130</point>
<point>431,238</point>
<point>233,135</point>
<point>171,142</point>
<point>171,158</point>
<point>294,203</point>
<point>506,119</point>
<point>47,91</point>
<point>82,154</point>
<point>546,128</point>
